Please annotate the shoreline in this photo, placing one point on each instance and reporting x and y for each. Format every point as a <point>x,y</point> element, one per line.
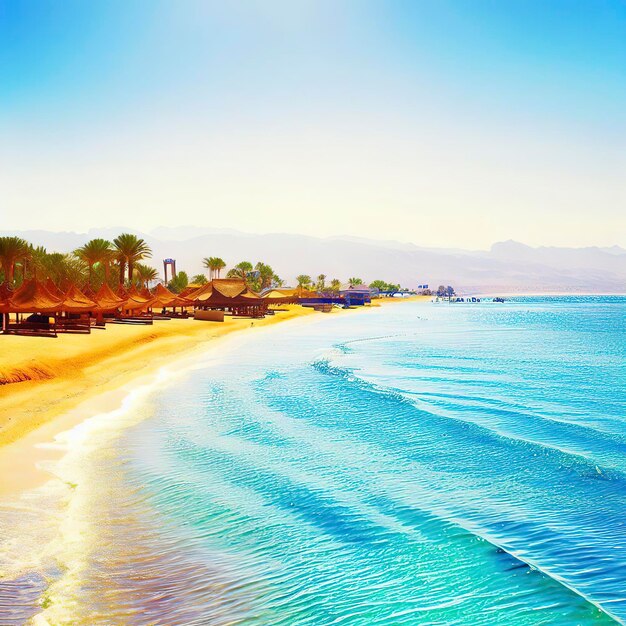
<point>41,378</point>
<point>101,380</point>
<point>101,386</point>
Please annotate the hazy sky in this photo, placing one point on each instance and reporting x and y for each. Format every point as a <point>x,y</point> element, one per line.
<point>452,123</point>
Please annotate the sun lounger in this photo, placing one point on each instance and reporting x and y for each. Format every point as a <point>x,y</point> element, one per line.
<point>74,325</point>
<point>31,329</point>
<point>132,320</point>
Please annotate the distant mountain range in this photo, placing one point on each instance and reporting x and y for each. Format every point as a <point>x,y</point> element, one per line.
<point>507,267</point>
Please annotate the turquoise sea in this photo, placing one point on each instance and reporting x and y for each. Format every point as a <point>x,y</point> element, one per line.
<point>415,463</point>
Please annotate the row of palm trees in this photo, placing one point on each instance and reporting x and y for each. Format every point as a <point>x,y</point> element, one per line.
<point>98,256</point>
<point>13,250</point>
<point>127,250</point>
<point>215,265</point>
<point>258,277</point>
<point>306,282</point>
<point>120,262</point>
<point>115,262</point>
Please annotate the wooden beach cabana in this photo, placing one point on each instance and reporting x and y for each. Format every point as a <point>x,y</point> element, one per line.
<point>41,307</point>
<point>356,295</point>
<point>76,312</point>
<point>188,292</point>
<point>137,307</point>
<point>319,301</point>
<point>50,311</point>
<point>281,296</point>
<point>107,303</point>
<point>230,294</point>
<point>165,299</point>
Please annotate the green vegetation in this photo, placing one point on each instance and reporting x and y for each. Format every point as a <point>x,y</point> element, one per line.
<point>129,250</point>
<point>179,282</point>
<point>144,274</point>
<point>13,251</point>
<point>97,252</point>
<point>335,285</point>
<point>381,285</point>
<point>199,279</point>
<point>240,270</point>
<point>215,265</point>
<point>304,281</point>
<point>121,263</point>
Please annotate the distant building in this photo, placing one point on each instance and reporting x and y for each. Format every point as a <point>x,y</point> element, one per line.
<point>171,263</point>
<point>356,295</point>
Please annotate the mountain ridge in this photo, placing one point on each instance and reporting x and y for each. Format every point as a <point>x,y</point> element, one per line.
<point>508,266</point>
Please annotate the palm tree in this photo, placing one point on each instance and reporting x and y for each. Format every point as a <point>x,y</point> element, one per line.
<point>208,263</point>
<point>335,285</point>
<point>321,282</point>
<point>129,250</point>
<point>12,251</point>
<point>381,285</point>
<point>67,270</point>
<point>355,281</point>
<point>304,281</point>
<point>214,264</point>
<point>179,282</point>
<point>218,265</point>
<point>145,273</point>
<point>266,274</point>
<point>96,251</point>
<point>199,279</point>
<point>62,269</point>
<point>36,263</point>
<point>241,270</point>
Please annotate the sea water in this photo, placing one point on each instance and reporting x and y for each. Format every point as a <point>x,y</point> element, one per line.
<point>415,463</point>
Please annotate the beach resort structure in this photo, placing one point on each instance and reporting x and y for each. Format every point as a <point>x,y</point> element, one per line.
<point>229,294</point>
<point>356,295</point>
<point>43,309</point>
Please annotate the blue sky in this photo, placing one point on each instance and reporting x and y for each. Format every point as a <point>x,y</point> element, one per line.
<point>450,123</point>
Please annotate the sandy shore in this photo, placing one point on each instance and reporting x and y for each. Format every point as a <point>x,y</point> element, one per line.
<point>49,385</point>
<point>41,378</point>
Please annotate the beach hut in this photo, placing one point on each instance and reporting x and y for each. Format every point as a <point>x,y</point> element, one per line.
<point>189,291</point>
<point>165,299</point>
<point>320,301</point>
<point>52,288</point>
<point>76,310</point>
<point>356,295</point>
<point>230,294</point>
<point>42,307</point>
<point>107,301</point>
<point>137,308</point>
<point>281,296</point>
